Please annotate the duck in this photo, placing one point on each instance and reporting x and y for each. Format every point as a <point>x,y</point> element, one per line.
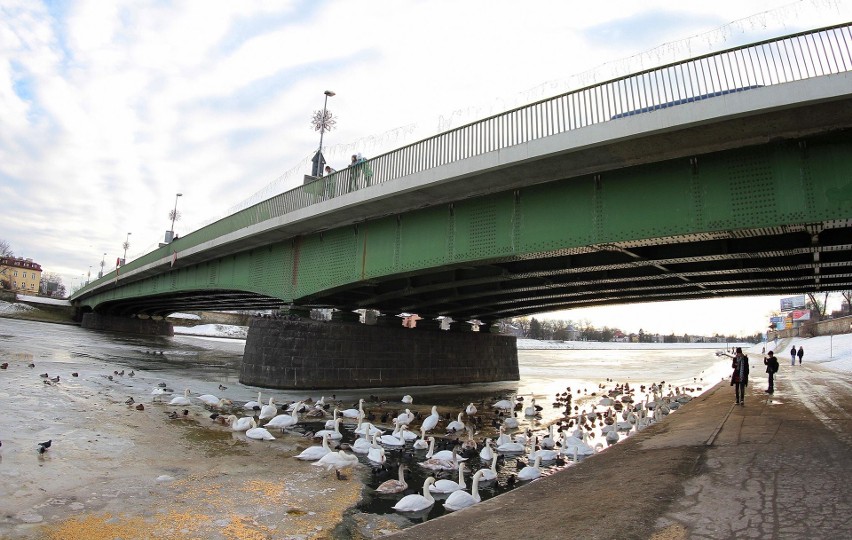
<point>270,410</point>
<point>448,486</point>
<point>314,453</point>
<point>333,434</point>
<point>462,499</point>
<point>181,400</point>
<point>241,424</point>
<point>530,472</point>
<point>336,460</point>
<point>283,421</point>
<point>259,433</point>
<point>353,413</point>
<point>394,486</point>
<point>431,421</point>
<point>489,475</point>
<point>456,425</point>
<point>250,405</point>
<point>416,502</point>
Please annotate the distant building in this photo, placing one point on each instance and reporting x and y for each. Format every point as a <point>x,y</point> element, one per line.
<point>20,275</point>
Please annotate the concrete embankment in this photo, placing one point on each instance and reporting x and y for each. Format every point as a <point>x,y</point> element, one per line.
<point>779,467</point>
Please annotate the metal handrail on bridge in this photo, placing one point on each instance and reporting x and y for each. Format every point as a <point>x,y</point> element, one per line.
<point>776,61</point>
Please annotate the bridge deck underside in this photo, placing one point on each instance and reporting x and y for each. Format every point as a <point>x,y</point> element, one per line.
<point>773,218</point>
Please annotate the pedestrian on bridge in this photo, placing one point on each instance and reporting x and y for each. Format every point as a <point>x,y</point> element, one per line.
<point>771,368</point>
<point>793,356</point>
<point>739,378</point>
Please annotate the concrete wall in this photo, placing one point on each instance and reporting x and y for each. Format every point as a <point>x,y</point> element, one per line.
<point>307,354</point>
<point>150,327</point>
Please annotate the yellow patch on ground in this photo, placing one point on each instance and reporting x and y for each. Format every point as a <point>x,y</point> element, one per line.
<point>103,527</point>
<point>675,531</point>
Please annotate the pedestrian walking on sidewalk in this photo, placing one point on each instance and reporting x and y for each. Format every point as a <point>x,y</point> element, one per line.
<point>793,356</point>
<point>739,378</point>
<point>771,368</point>
<point>800,354</point>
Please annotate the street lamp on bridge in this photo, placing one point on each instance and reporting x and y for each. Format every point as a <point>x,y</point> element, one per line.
<point>322,122</point>
<point>125,246</point>
<point>103,262</point>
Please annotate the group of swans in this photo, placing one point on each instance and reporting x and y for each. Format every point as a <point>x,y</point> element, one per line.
<point>457,500</point>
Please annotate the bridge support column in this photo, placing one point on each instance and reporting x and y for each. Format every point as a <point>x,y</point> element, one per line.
<point>346,316</point>
<point>312,354</point>
<point>149,327</point>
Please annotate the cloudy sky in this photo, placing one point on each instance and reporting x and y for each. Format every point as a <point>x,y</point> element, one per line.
<point>110,108</point>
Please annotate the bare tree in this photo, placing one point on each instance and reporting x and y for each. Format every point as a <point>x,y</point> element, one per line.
<point>5,249</point>
<point>817,304</point>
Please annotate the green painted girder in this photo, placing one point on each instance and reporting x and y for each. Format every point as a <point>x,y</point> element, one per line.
<point>766,219</point>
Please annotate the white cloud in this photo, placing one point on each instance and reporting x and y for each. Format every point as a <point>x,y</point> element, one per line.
<point>108,109</point>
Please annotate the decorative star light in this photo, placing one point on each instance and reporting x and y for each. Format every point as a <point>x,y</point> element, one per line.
<point>323,123</point>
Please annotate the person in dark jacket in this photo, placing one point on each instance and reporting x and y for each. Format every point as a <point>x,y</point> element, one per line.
<point>793,356</point>
<point>771,368</point>
<point>800,354</point>
<point>739,379</point>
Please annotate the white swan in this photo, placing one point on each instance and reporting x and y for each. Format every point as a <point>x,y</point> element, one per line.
<point>366,428</point>
<point>181,400</point>
<point>486,453</point>
<point>329,424</point>
<point>421,443</point>
<point>209,399</point>
<point>353,413</point>
<point>259,433</point>
<point>252,404</point>
<point>545,454</point>
<point>284,421</point>
<point>511,422</point>
<point>470,410</point>
<point>504,404</point>
<point>361,445</point>
<point>416,502</point>
<point>268,411</point>
<point>407,399</point>
<point>448,486</point>
<point>612,436</point>
<point>456,425</point>
<point>405,418</point>
<point>530,473</point>
<point>548,442</point>
<point>489,475</point>
<point>432,420</point>
<point>376,454</point>
<point>336,460</point>
<point>394,486</point>
<point>503,438</point>
<point>572,445</point>
<point>462,499</point>
<point>333,434</point>
<point>393,439</point>
<point>511,448</point>
<point>439,464</point>
<point>530,411</point>
<point>313,453</point>
<point>241,424</point>
<point>443,454</point>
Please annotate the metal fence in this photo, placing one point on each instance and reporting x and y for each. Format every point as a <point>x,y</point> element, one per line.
<point>777,61</point>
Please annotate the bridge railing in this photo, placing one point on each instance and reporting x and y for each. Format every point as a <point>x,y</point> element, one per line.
<point>791,58</point>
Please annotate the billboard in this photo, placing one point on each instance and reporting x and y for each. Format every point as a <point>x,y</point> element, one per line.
<point>793,302</point>
<point>801,315</point>
<point>777,322</point>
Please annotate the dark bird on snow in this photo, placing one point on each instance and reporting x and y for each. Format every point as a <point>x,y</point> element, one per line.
<point>44,375</point>
<point>173,415</point>
<point>75,374</point>
<point>31,365</point>
<point>132,373</point>
<point>109,377</point>
<point>129,401</point>
<point>4,365</point>
<point>140,407</point>
<point>55,379</point>
<point>222,387</point>
<point>43,446</point>
<point>161,384</point>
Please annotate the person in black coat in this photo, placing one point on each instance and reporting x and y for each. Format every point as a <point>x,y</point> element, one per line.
<point>771,368</point>
<point>800,354</point>
<point>739,378</point>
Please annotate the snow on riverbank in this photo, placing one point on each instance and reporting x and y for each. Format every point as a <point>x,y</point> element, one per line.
<point>537,345</point>
<point>213,330</point>
<point>833,352</point>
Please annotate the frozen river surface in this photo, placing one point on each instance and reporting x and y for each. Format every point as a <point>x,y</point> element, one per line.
<point>114,471</point>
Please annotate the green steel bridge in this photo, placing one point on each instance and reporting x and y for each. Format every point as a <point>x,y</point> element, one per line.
<point>725,175</point>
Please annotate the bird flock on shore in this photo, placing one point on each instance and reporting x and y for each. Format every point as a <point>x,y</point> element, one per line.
<point>392,436</point>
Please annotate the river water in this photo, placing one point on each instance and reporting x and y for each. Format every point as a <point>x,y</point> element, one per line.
<point>112,469</point>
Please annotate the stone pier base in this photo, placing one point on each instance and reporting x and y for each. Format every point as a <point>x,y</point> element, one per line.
<point>307,354</point>
<point>148,327</point>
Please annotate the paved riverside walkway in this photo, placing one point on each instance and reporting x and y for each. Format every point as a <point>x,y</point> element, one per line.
<point>779,467</point>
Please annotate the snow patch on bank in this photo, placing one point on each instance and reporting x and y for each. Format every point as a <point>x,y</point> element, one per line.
<point>537,344</point>
<point>7,308</point>
<point>213,330</point>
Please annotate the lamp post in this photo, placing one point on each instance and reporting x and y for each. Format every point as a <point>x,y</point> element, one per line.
<point>322,122</point>
<point>175,214</point>
<point>103,262</point>
<point>125,246</point>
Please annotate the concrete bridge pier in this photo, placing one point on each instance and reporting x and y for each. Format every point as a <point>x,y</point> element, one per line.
<point>308,354</point>
<point>110,323</point>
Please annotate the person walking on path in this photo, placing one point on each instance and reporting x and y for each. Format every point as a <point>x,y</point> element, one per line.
<point>793,356</point>
<point>771,368</point>
<point>739,378</point>
<point>800,354</point>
